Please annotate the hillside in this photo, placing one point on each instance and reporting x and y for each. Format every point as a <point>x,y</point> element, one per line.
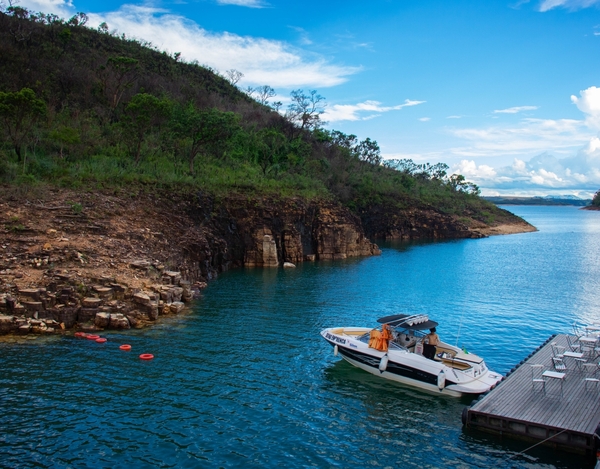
<point>87,111</point>
<point>128,179</point>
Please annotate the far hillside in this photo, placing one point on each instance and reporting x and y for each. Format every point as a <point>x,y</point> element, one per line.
<point>85,108</point>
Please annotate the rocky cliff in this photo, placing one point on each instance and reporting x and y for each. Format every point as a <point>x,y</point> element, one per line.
<point>72,259</point>
<point>94,261</point>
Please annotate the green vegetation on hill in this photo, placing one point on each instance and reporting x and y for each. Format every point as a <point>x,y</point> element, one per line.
<point>86,108</point>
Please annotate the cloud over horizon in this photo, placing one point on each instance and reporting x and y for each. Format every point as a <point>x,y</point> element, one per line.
<point>528,136</point>
<point>515,110</point>
<point>355,112</point>
<point>541,174</point>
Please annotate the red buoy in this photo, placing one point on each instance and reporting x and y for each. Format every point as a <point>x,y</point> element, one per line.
<point>100,340</point>
<point>125,347</point>
<point>92,337</point>
<point>146,356</point>
<point>80,334</point>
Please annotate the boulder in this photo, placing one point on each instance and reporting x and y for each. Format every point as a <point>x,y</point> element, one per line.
<point>166,294</point>
<point>105,293</point>
<point>141,264</point>
<point>87,314</point>
<point>142,299</point>
<point>91,302</point>
<point>134,321</point>
<point>33,306</point>
<point>176,294</point>
<point>152,313</point>
<point>119,321</point>
<point>186,294</point>
<point>102,320</point>
<point>30,293</point>
<point>39,328</point>
<point>176,307</point>
<point>119,290</point>
<point>67,316</point>
<point>171,277</point>
<point>7,324</point>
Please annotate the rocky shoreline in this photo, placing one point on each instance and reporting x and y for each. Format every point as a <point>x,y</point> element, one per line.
<point>65,303</point>
<point>76,260</point>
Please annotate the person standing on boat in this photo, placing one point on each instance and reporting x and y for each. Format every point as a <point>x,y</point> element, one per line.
<point>430,341</point>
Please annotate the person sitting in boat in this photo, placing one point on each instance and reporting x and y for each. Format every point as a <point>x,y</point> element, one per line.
<point>429,343</point>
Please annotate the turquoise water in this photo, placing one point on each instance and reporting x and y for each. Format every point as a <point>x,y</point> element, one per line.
<point>245,380</point>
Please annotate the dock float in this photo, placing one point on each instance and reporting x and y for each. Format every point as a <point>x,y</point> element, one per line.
<point>561,410</point>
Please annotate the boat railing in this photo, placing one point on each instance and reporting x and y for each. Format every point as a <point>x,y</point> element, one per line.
<point>415,319</point>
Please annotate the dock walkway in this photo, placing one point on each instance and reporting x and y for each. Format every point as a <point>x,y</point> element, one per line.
<point>566,413</point>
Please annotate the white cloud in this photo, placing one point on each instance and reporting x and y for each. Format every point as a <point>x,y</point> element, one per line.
<point>262,61</point>
<point>516,109</point>
<point>62,8</point>
<point>546,5</point>
<point>424,119</point>
<point>471,171</point>
<point>355,112</point>
<point>243,3</point>
<point>575,170</point>
<point>454,117</point>
<point>529,136</point>
<point>589,104</point>
<point>543,173</point>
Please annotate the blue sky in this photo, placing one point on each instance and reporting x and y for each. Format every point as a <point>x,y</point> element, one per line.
<point>504,92</point>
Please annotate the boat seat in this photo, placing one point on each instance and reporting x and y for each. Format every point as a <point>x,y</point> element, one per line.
<point>455,364</point>
<point>406,340</point>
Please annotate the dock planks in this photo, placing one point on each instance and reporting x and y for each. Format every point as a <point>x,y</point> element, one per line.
<point>516,407</point>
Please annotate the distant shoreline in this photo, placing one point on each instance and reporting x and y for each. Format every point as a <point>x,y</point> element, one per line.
<point>509,200</point>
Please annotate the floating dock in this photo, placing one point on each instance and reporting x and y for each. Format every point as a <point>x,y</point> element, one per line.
<point>562,412</point>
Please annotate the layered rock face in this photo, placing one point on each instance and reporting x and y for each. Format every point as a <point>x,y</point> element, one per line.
<point>292,231</point>
<point>118,262</point>
<point>389,223</point>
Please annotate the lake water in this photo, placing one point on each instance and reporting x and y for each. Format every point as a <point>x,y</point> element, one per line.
<point>246,381</point>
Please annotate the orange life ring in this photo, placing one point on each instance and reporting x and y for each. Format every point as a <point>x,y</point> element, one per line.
<point>100,340</point>
<point>146,356</point>
<point>92,337</point>
<point>80,334</point>
<point>125,347</point>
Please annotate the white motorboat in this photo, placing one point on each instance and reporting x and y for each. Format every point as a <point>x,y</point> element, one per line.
<point>396,350</point>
